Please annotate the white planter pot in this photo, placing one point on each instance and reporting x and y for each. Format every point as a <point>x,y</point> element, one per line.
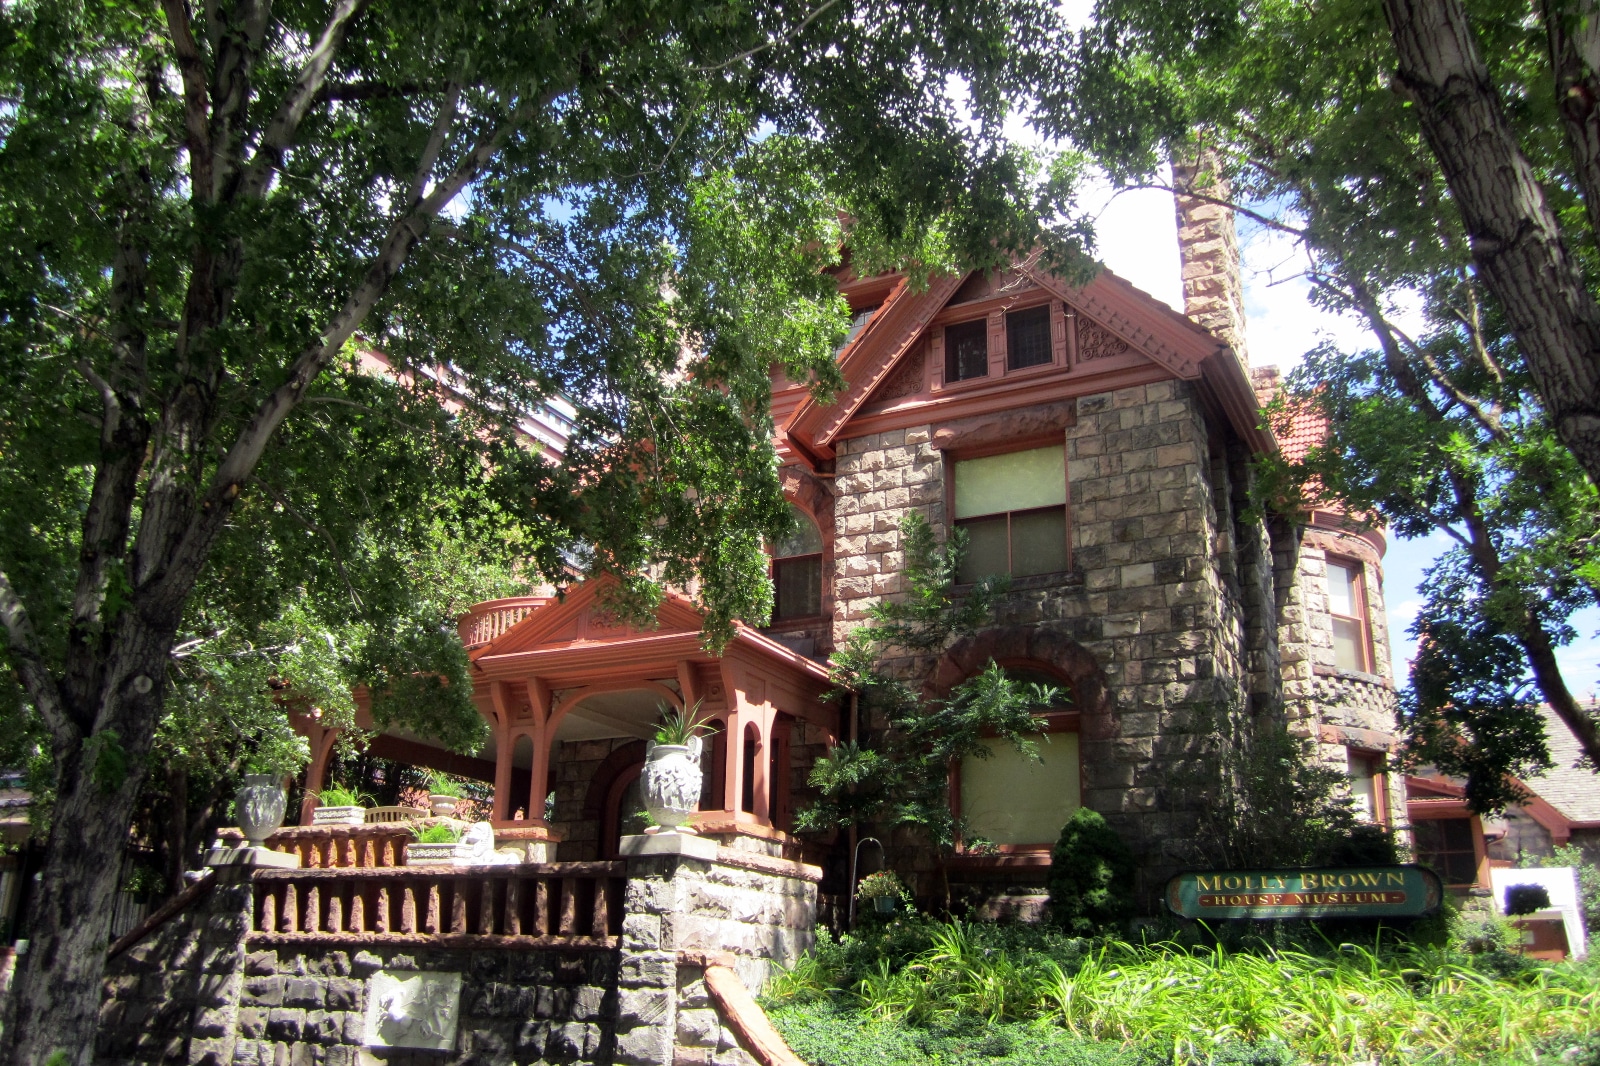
<point>339,816</point>
<point>442,806</point>
<point>259,806</point>
<point>457,854</point>
<point>670,782</point>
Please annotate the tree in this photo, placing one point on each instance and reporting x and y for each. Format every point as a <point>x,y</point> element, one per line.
<point>1289,111</point>
<point>896,773</point>
<point>204,209</point>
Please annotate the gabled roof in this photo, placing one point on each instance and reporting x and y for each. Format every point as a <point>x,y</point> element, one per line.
<point>1572,789</point>
<point>579,618</point>
<point>1169,341</point>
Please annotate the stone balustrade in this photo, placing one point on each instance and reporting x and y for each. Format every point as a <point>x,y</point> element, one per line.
<point>486,621</point>
<point>568,905</point>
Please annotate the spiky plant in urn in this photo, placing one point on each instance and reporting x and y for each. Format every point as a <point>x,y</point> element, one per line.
<point>671,776</point>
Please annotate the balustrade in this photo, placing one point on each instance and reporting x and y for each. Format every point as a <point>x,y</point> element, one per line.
<point>562,904</point>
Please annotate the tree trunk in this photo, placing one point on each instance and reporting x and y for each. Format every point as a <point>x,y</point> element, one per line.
<point>56,992</point>
<point>1516,244</point>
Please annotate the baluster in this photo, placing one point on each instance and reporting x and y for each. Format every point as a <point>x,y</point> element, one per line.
<point>600,926</point>
<point>569,906</point>
<point>408,908</point>
<point>313,922</point>
<point>541,907</point>
<point>386,857</point>
<point>380,907</point>
<point>358,908</point>
<point>490,887</point>
<point>513,910</point>
<point>291,908</point>
<point>336,901</point>
<point>269,911</point>
<point>431,924</point>
<point>458,907</point>
<point>366,852</point>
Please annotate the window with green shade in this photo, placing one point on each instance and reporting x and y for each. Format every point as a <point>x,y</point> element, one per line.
<point>797,571</point>
<point>1013,508</point>
<point>1009,798</point>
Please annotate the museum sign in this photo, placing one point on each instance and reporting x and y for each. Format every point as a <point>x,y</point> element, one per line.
<point>1350,892</point>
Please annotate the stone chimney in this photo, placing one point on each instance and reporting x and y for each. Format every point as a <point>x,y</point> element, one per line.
<point>1208,248</point>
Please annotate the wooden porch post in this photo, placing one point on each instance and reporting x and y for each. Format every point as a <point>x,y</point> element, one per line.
<point>321,739</point>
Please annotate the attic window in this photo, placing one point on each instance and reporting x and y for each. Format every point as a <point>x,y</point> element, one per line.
<point>1028,338</point>
<point>966,351</point>
<point>858,322</point>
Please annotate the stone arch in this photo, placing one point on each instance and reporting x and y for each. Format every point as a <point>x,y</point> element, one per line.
<point>601,803</point>
<point>1036,645</point>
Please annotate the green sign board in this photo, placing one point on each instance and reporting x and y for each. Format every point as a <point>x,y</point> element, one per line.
<point>1352,892</point>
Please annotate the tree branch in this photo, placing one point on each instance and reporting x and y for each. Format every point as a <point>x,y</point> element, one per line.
<point>758,49</point>
<point>30,666</point>
<point>308,85</point>
<point>196,102</point>
<point>333,546</point>
<point>1255,216</point>
<point>430,152</point>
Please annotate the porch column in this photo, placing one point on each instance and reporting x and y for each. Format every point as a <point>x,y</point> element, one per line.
<point>543,736</point>
<point>321,739</point>
<point>733,764</point>
<point>761,794</point>
<point>505,746</point>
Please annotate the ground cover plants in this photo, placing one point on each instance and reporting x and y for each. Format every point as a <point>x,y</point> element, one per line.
<point>934,993</point>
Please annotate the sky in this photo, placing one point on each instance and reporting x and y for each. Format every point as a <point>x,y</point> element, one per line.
<point>1138,240</point>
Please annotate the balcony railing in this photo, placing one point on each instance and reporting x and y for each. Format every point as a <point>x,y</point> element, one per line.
<point>561,904</point>
<point>488,620</point>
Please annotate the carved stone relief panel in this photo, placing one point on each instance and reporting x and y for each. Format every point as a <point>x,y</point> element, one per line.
<point>415,1009</point>
<point>1097,342</point>
<point>905,380</point>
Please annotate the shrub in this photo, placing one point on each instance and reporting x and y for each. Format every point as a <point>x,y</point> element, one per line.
<point>1091,876</point>
<point>1588,884</point>
<point>438,833</point>
<point>1525,899</point>
<point>885,884</point>
<point>340,797</point>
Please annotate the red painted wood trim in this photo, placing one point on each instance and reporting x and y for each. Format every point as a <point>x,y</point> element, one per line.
<point>745,1017</point>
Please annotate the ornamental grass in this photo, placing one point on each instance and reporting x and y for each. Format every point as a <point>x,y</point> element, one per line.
<point>1346,1005</point>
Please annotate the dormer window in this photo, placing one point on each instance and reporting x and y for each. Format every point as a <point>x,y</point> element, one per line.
<point>797,571</point>
<point>966,351</point>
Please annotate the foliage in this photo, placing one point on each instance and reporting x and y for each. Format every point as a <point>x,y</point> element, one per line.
<point>1588,884</point>
<point>1293,113</point>
<point>1342,1004</point>
<point>885,884</point>
<point>1091,876</point>
<point>335,796</point>
<point>1525,899</point>
<point>678,726</point>
<point>1262,801</point>
<point>898,772</point>
<point>444,785</point>
<point>437,833</point>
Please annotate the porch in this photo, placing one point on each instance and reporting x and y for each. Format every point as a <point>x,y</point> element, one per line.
<point>571,698</point>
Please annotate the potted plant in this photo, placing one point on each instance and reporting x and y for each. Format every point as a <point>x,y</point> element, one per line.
<point>448,844</point>
<point>339,806</point>
<point>444,794</point>
<point>884,889</point>
<point>671,776</point>
<point>260,804</point>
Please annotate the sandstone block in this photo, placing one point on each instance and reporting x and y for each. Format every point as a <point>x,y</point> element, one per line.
<point>284,1023</point>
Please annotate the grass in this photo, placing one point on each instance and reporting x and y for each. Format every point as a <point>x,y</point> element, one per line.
<point>1178,1003</point>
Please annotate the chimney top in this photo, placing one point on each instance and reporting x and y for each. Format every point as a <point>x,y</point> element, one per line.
<point>1208,249</point>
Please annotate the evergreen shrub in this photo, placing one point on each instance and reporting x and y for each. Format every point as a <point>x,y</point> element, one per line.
<point>1091,876</point>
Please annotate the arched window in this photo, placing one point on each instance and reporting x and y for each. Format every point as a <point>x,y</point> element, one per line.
<point>797,571</point>
<point>1017,802</point>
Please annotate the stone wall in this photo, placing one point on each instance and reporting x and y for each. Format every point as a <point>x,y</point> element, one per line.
<point>198,992</point>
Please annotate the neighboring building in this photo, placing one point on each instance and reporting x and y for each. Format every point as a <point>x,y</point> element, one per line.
<point>1563,807</point>
<point>1096,446</point>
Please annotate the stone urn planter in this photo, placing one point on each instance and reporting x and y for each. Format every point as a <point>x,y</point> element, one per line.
<point>260,805</point>
<point>457,854</point>
<point>442,806</point>
<point>670,782</point>
<point>339,816</point>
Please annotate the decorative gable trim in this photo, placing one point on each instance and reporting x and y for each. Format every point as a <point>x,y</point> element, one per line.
<point>891,333</point>
<point>571,620</point>
<point>1114,312</point>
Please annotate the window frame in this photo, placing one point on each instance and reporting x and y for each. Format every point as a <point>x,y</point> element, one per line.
<point>1458,812</point>
<point>1020,444</point>
<point>994,314</point>
<point>821,556</point>
<point>1362,618</point>
<point>1056,721</point>
<point>1379,764</point>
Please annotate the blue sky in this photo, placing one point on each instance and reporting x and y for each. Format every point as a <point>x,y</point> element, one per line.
<point>1138,240</point>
